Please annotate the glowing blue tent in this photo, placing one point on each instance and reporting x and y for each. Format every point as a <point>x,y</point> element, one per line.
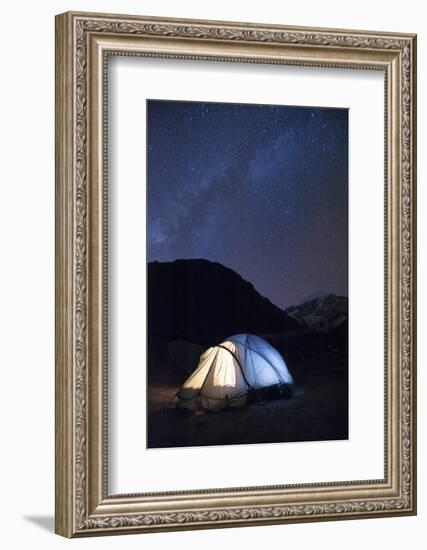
<point>228,373</point>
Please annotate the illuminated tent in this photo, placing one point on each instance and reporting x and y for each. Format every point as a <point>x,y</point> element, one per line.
<point>228,374</point>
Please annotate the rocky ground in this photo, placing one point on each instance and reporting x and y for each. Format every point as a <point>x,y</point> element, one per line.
<point>317,410</point>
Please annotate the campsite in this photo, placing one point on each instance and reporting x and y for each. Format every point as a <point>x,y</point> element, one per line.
<point>247,273</point>
<point>316,408</point>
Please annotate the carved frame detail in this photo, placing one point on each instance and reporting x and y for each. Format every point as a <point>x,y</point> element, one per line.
<point>83,506</point>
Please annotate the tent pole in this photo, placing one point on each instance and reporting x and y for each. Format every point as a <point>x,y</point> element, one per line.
<point>241,369</point>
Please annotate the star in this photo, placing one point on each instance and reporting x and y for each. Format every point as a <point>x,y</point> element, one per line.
<point>262,189</point>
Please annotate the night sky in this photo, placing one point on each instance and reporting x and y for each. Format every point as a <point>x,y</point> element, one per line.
<point>261,189</point>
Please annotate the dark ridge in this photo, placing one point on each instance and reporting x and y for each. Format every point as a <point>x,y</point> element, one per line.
<point>204,302</point>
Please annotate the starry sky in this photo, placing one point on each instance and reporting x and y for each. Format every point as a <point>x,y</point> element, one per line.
<point>262,189</point>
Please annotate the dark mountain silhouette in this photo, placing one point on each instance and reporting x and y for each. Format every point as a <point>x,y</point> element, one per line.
<point>204,302</point>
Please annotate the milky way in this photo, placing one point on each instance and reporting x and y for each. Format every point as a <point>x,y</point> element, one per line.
<point>261,189</point>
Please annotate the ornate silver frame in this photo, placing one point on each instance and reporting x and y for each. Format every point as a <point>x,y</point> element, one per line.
<point>83,505</point>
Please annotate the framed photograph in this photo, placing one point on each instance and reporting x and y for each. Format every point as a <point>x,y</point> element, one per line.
<point>235,274</point>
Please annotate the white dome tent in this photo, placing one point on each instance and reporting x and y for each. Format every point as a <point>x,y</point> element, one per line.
<point>228,373</point>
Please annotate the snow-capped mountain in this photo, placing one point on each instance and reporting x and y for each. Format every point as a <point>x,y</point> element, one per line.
<point>321,314</point>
